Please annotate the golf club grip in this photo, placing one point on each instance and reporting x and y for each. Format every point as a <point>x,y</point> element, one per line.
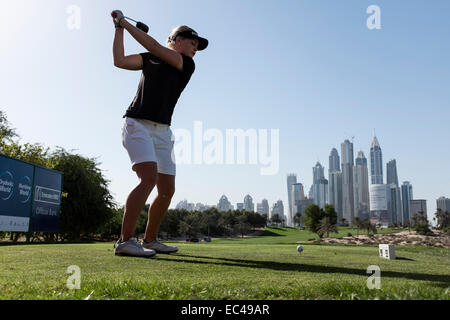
<point>142,26</point>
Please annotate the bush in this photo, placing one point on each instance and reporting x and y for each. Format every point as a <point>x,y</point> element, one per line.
<point>423,229</point>
<point>89,205</point>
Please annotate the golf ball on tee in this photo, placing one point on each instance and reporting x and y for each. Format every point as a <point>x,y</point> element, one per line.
<point>300,249</point>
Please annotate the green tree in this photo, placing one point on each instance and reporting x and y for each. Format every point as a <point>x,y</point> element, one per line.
<point>242,226</point>
<point>208,222</point>
<point>369,227</point>
<point>420,223</point>
<point>442,218</point>
<point>227,220</point>
<point>298,219</point>
<point>357,224</point>
<point>189,226</point>
<point>255,220</point>
<point>171,222</point>
<point>113,227</point>
<point>407,224</point>
<point>276,219</point>
<point>328,223</point>
<point>33,153</point>
<point>6,132</point>
<point>264,219</point>
<point>419,217</point>
<point>326,227</point>
<point>312,218</point>
<point>89,204</point>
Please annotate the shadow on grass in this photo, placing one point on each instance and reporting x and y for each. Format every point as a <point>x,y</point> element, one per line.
<point>402,258</point>
<point>268,233</point>
<point>440,280</point>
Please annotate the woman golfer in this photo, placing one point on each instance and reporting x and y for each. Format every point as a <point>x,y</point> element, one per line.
<point>146,133</point>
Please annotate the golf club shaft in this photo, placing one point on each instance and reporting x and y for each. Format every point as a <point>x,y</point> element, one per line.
<point>139,25</point>
<point>131,19</point>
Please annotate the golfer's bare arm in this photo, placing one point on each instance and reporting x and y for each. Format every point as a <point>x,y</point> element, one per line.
<point>168,55</point>
<point>132,62</point>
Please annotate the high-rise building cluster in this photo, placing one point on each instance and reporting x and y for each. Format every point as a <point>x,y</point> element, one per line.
<point>184,204</point>
<point>351,193</point>
<point>348,188</point>
<point>297,199</point>
<point>248,205</point>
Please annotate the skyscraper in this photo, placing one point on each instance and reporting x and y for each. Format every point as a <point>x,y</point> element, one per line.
<point>380,204</point>
<point>291,179</point>
<point>417,206</point>
<point>407,195</point>
<point>347,181</point>
<point>298,194</point>
<point>263,207</point>
<point>224,204</point>
<point>335,182</point>
<point>443,203</point>
<point>334,161</point>
<point>311,192</point>
<point>391,173</point>
<point>278,208</point>
<point>397,210</point>
<point>361,187</point>
<point>185,205</point>
<point>376,162</point>
<point>248,203</point>
<point>320,186</point>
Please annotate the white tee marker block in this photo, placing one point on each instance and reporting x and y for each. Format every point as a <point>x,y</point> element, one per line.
<point>387,251</point>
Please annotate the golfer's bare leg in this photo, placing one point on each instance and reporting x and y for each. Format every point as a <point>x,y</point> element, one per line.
<point>166,188</point>
<point>147,173</point>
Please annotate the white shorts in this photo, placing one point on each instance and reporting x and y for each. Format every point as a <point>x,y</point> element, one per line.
<point>148,141</point>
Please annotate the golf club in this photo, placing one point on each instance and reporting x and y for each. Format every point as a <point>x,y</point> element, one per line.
<point>139,25</point>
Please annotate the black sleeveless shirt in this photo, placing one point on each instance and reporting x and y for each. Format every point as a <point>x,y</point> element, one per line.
<point>159,88</point>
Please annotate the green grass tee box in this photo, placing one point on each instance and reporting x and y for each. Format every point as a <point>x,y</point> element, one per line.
<point>264,267</point>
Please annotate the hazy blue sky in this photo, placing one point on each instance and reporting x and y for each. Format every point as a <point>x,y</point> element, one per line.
<point>311,69</point>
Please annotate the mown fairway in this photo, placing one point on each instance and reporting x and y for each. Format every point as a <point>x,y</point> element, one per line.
<point>266,267</point>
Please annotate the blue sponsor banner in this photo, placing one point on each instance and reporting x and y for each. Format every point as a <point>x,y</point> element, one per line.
<point>46,200</point>
<point>16,187</point>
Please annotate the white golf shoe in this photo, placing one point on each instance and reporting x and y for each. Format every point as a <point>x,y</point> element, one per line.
<point>132,248</point>
<point>159,247</point>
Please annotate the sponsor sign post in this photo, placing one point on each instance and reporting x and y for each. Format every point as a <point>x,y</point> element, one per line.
<point>16,187</point>
<point>46,200</point>
<point>30,197</point>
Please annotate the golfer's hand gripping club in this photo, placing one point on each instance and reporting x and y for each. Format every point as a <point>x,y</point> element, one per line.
<point>117,16</point>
